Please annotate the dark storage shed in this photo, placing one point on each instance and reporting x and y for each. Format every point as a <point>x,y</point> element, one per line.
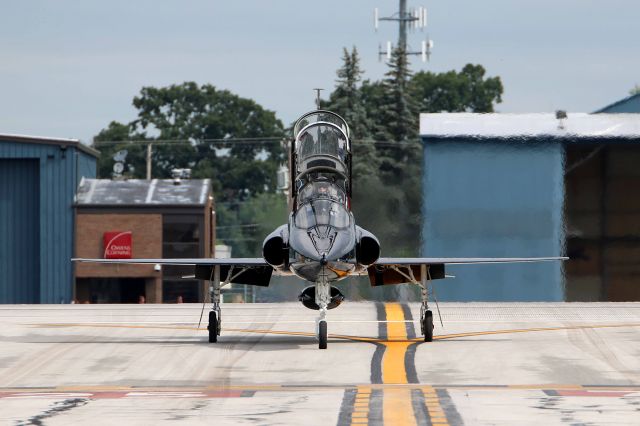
<point>38,180</point>
<point>534,185</point>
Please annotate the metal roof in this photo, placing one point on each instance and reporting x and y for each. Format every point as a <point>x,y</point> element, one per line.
<point>49,141</point>
<point>618,103</point>
<point>498,125</point>
<point>139,192</point>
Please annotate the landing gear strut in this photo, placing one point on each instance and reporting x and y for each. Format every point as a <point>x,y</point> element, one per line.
<point>426,316</point>
<point>323,297</point>
<point>215,316</point>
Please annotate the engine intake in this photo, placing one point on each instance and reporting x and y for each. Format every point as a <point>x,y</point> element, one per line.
<point>274,248</point>
<point>367,248</point>
<point>308,298</point>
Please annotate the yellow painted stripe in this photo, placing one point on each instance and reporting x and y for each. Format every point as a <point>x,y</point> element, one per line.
<point>347,337</point>
<point>397,408</point>
<point>434,409</point>
<point>360,415</point>
<point>277,388</point>
<point>393,369</point>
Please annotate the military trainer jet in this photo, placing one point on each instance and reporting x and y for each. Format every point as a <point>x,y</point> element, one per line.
<point>321,242</point>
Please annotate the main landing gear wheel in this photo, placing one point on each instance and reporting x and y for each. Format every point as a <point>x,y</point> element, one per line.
<point>214,327</point>
<point>322,334</point>
<point>427,326</point>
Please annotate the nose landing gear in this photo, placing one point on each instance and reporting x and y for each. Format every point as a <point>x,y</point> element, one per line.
<point>322,334</point>
<point>323,297</point>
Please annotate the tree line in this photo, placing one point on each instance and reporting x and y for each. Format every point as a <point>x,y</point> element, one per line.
<point>237,144</point>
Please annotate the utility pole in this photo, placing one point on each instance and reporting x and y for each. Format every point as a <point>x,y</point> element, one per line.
<point>402,25</point>
<point>413,19</point>
<point>149,161</point>
<point>318,97</point>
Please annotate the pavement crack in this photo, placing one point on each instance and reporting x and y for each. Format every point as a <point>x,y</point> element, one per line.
<point>58,407</point>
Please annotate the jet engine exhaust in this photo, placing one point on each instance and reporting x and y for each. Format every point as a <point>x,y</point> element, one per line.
<point>308,298</point>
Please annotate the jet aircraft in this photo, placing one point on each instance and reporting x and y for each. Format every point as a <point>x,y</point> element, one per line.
<point>321,242</point>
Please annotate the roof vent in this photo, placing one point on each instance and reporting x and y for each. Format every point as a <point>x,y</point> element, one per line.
<point>178,174</point>
<point>561,115</point>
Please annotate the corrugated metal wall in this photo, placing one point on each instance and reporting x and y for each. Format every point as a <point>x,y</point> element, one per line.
<point>489,198</point>
<point>58,169</point>
<point>19,231</point>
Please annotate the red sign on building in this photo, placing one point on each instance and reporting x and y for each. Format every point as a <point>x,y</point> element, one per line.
<point>117,245</point>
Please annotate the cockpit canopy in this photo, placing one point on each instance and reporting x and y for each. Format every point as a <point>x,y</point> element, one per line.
<point>319,212</point>
<point>322,140</point>
<point>320,116</point>
<point>321,158</point>
<point>323,189</point>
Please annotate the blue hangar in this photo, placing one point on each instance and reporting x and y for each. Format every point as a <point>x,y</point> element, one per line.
<point>38,181</point>
<point>534,185</point>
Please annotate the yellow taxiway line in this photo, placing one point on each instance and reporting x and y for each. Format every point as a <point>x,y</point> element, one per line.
<point>397,408</point>
<point>394,339</point>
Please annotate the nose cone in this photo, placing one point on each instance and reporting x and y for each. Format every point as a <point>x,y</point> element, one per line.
<point>322,243</point>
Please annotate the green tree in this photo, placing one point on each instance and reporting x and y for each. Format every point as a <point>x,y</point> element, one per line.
<point>135,163</point>
<point>635,90</point>
<point>465,91</point>
<point>346,97</point>
<point>398,111</point>
<point>244,225</point>
<point>183,120</point>
<point>215,133</point>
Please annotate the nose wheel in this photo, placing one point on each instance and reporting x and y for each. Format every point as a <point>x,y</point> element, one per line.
<point>322,334</point>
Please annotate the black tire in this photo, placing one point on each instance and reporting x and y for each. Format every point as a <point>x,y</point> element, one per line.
<point>427,326</point>
<point>322,335</point>
<point>213,327</point>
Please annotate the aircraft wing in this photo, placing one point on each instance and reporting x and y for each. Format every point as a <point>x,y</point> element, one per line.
<point>247,270</point>
<point>460,260</point>
<point>241,261</point>
<point>398,270</point>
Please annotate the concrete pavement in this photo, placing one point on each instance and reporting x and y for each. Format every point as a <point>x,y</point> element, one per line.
<point>492,363</point>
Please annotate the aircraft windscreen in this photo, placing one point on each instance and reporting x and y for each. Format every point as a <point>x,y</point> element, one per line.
<point>320,116</point>
<point>322,212</point>
<point>322,190</point>
<point>322,140</point>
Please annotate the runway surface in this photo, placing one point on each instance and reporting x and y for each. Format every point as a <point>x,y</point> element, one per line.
<point>492,363</point>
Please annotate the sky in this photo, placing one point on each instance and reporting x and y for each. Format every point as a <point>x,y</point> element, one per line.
<point>69,67</point>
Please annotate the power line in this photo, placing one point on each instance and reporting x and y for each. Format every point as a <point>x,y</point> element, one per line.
<point>254,141</point>
<point>192,141</point>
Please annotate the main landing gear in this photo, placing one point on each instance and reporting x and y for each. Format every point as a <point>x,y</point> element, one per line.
<point>426,316</point>
<point>215,316</point>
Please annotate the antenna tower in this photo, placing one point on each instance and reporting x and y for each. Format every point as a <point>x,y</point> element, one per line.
<point>318,97</point>
<point>412,19</point>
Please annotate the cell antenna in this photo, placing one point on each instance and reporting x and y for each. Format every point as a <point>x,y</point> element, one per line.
<point>318,97</point>
<point>407,19</point>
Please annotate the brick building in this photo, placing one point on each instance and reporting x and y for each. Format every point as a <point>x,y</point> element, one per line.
<point>142,219</point>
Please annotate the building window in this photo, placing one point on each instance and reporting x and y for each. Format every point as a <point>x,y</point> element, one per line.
<point>181,236</point>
